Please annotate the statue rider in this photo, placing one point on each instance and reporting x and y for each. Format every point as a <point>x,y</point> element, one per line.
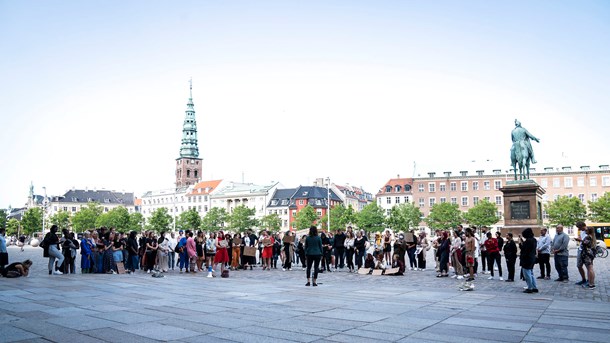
<point>519,134</point>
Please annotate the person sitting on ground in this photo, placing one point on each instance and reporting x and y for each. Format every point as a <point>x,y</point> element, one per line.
<point>380,263</point>
<point>398,263</point>
<point>369,262</point>
<point>16,269</point>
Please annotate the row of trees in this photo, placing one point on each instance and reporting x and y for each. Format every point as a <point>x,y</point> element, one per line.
<point>564,210</point>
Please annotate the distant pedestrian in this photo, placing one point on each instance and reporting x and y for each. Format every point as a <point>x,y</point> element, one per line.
<point>469,249</point>
<point>582,234</point>
<point>422,248</point>
<point>510,254</point>
<point>359,248</point>
<point>339,247</point>
<point>50,245</point>
<point>528,260</point>
<point>561,253</point>
<point>349,250</point>
<point>544,254</point>
<point>589,250</point>
<point>313,251</point>
<point>493,255</point>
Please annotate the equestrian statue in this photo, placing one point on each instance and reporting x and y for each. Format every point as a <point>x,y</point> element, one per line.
<point>521,153</point>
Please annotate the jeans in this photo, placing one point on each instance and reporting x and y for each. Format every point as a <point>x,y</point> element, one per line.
<point>412,258</point>
<point>315,261</point>
<point>561,265</point>
<point>171,260</point>
<point>339,257</point>
<point>55,254</point>
<point>528,274</point>
<point>545,265</point>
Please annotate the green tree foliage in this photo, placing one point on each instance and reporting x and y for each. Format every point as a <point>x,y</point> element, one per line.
<point>214,219</point>
<point>599,210</point>
<point>444,216</point>
<point>242,218</point>
<point>32,220</point>
<point>61,219</point>
<point>117,218</point>
<point>566,211</point>
<point>189,220</point>
<point>371,218</point>
<point>271,222</point>
<point>340,217</point>
<point>87,216</point>
<point>482,214</point>
<point>305,218</point>
<point>12,227</point>
<point>3,218</point>
<point>404,216</point>
<point>160,220</point>
<point>136,221</point>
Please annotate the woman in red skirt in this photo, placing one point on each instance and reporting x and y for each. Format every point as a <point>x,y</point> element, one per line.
<point>222,255</point>
<point>267,250</point>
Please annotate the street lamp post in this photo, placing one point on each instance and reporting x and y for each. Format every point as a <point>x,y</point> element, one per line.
<point>44,208</point>
<point>328,203</point>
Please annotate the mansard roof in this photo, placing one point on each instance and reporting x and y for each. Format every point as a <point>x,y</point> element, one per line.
<point>101,196</point>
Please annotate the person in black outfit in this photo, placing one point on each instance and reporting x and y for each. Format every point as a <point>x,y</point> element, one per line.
<point>510,254</point>
<point>288,252</point>
<point>528,260</point>
<point>16,269</point>
<point>443,255</point>
<point>313,251</point>
<point>301,251</point>
<point>327,252</point>
<point>339,245</point>
<point>411,249</point>
<point>359,248</point>
<point>132,249</point>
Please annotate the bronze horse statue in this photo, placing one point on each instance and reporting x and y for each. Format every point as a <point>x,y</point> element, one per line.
<point>521,158</point>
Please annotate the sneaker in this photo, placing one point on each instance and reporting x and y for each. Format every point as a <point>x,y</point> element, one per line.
<point>565,280</point>
<point>547,278</point>
<point>148,271</point>
<point>591,287</point>
<point>509,280</point>
<point>210,274</point>
<point>501,278</point>
<point>580,283</point>
<point>469,279</point>
<point>453,276</point>
<point>528,290</point>
<point>460,277</point>
<point>559,279</point>
<point>495,268</point>
<point>283,269</point>
<point>524,287</point>
<point>535,290</point>
<point>540,277</point>
<point>490,278</point>
<point>57,272</point>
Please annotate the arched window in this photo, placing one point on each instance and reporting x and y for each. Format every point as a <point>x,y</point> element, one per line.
<point>388,189</point>
<point>407,188</point>
<point>188,173</point>
<point>195,173</point>
<point>397,188</point>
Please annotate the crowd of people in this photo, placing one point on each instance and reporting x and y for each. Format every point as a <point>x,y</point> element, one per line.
<point>458,251</point>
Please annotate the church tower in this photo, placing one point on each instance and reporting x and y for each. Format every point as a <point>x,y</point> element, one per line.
<point>188,165</point>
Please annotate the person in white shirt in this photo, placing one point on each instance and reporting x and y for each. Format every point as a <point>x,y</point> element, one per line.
<point>544,254</point>
<point>171,260</point>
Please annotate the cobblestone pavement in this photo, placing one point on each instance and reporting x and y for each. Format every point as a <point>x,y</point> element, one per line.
<point>269,306</point>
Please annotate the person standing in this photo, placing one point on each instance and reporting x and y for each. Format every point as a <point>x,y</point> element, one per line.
<point>133,261</point>
<point>469,248</point>
<point>163,253</point>
<point>86,247</point>
<point>411,249</point>
<point>588,251</point>
<point>183,255</point>
<point>326,244</point>
<point>349,250</point>
<point>359,248</point>
<point>483,250</point>
<point>3,251</point>
<point>544,254</point>
<point>222,254</point>
<point>510,254</point>
<point>339,245</point>
<point>288,252</point>
<point>493,255</point>
<point>422,246</point>
<point>444,248</point>
<point>582,231</point>
<point>456,255</point>
<point>171,255</point>
<point>51,250</point>
<point>561,253</point>
<point>528,260</point>
<point>313,251</point>
<point>400,247</point>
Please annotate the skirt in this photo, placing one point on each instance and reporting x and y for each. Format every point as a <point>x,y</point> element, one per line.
<point>268,252</point>
<point>222,256</point>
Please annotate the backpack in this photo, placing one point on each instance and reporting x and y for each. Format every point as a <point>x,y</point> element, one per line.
<point>179,248</point>
<point>225,273</point>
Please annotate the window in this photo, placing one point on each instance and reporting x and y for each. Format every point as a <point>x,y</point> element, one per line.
<point>464,186</point>
<point>556,182</point>
<point>499,214</point>
<point>432,201</point>
<point>388,200</point>
<point>301,202</point>
<point>406,200</point>
<point>580,181</point>
<point>73,208</point>
<point>397,200</point>
<point>544,183</point>
<point>407,188</point>
<point>388,189</point>
<point>422,202</point>
<point>475,185</point>
<point>443,200</point>
<point>593,182</point>
<point>319,213</point>
<point>486,185</point>
<point>464,201</point>
<point>488,198</point>
<point>475,200</point>
<point>581,197</point>
<point>421,187</point>
<point>498,200</point>
<point>593,196</point>
<point>397,188</point>
<point>442,187</point>
<point>605,181</point>
<point>454,201</point>
<point>387,212</point>
<point>567,182</point>
<point>497,184</point>
<point>65,208</point>
<point>431,187</point>
<point>452,186</point>
<point>55,208</point>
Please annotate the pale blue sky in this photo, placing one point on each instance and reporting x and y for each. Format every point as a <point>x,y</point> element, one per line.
<point>92,94</point>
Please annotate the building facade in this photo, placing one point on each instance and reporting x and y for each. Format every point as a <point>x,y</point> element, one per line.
<point>189,165</point>
<point>315,196</point>
<point>75,199</point>
<point>395,192</point>
<point>234,194</point>
<point>280,204</point>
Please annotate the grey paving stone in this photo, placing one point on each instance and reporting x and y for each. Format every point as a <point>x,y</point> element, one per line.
<point>13,334</point>
<point>363,316</point>
<point>238,336</point>
<point>158,331</point>
<point>125,317</point>
<point>114,336</point>
<point>477,333</point>
<point>81,323</point>
<point>380,334</point>
<point>279,334</point>
<point>445,337</point>
<point>491,323</point>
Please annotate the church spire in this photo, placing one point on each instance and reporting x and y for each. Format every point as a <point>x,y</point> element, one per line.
<point>189,147</point>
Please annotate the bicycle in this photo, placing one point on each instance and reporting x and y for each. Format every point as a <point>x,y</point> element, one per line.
<point>601,252</point>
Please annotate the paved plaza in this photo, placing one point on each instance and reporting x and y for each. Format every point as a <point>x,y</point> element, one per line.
<point>270,306</point>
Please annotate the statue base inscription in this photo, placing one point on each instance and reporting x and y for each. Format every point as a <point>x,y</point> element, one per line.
<point>522,207</point>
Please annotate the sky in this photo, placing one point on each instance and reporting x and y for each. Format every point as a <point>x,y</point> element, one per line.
<point>93,94</point>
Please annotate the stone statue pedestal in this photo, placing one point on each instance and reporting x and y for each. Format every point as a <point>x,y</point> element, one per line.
<point>522,207</point>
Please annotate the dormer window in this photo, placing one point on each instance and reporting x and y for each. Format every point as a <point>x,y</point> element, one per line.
<point>397,188</point>
<point>407,188</point>
<point>388,189</point>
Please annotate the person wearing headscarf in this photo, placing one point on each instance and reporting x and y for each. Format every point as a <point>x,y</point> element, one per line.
<point>86,247</point>
<point>443,254</point>
<point>528,259</point>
